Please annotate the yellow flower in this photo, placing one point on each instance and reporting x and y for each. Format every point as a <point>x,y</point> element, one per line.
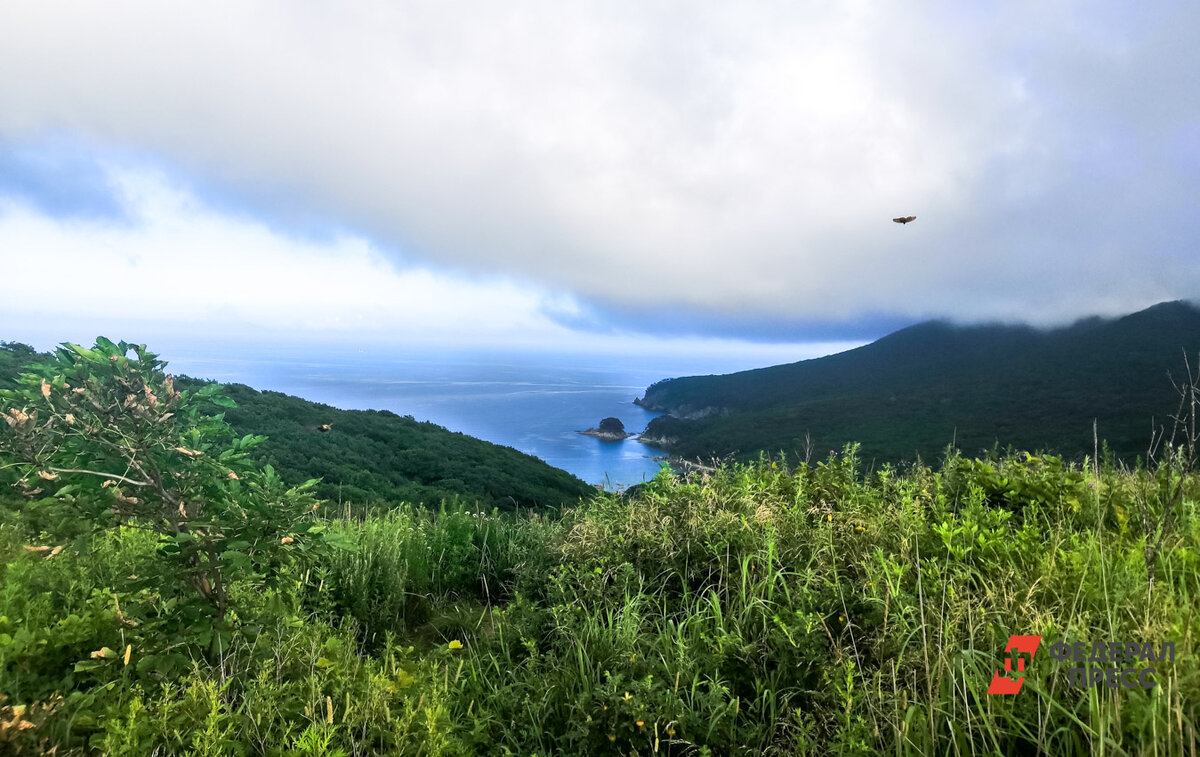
<point>456,644</point>
<point>830,516</point>
<point>612,737</point>
<point>670,731</point>
<point>859,529</point>
<point>841,618</point>
<point>641,723</point>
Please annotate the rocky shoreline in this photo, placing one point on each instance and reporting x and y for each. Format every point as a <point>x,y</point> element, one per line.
<point>606,436</point>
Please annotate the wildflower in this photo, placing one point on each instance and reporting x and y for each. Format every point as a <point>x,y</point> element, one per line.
<point>670,731</point>
<point>841,618</point>
<point>641,723</point>
<point>830,517</point>
<point>859,529</point>
<point>456,644</point>
<point>612,737</point>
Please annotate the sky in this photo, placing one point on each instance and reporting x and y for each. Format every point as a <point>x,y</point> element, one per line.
<point>623,177</point>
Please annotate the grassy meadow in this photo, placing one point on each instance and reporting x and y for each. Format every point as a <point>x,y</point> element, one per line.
<point>754,610</point>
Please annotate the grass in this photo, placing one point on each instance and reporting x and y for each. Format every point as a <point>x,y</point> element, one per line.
<point>757,609</point>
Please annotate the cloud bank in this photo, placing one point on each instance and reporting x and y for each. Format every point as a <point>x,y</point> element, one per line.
<point>724,163</point>
<point>161,263</point>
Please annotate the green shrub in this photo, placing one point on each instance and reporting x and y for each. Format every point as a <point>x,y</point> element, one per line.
<point>101,438</point>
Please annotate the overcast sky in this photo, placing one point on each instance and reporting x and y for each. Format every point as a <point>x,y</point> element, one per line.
<point>608,174</point>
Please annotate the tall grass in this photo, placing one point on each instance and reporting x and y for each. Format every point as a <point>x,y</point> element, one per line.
<point>755,609</point>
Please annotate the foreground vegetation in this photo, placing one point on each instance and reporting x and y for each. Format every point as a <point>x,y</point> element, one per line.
<point>760,608</point>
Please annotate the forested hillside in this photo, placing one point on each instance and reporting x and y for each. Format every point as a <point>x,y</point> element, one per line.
<point>368,456</point>
<point>916,391</point>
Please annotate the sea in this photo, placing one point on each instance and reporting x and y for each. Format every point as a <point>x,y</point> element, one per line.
<point>534,402</point>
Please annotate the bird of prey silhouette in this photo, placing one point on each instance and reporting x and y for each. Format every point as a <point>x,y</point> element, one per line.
<point>905,219</point>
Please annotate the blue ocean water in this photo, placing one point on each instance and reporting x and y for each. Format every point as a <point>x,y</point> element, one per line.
<point>536,403</point>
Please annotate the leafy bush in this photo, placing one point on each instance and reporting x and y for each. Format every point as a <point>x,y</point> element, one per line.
<point>107,439</point>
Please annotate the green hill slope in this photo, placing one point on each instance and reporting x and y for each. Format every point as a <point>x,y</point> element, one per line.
<point>371,456</point>
<point>913,392</point>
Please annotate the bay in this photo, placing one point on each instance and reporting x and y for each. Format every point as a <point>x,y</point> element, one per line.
<point>534,402</point>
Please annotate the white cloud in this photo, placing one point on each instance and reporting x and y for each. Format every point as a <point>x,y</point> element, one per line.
<point>174,262</point>
<point>173,269</point>
<point>738,159</point>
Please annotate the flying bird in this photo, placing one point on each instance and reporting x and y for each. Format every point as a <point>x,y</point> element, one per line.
<point>905,219</point>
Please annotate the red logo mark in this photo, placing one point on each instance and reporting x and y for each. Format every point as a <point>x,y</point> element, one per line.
<point>1019,649</point>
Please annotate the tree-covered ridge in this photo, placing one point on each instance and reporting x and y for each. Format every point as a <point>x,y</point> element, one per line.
<point>369,456</point>
<point>916,391</point>
<point>373,455</point>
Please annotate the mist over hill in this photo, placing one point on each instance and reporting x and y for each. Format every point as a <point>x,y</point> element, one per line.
<point>919,389</point>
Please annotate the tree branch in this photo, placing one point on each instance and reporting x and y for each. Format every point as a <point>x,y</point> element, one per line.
<point>129,481</point>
